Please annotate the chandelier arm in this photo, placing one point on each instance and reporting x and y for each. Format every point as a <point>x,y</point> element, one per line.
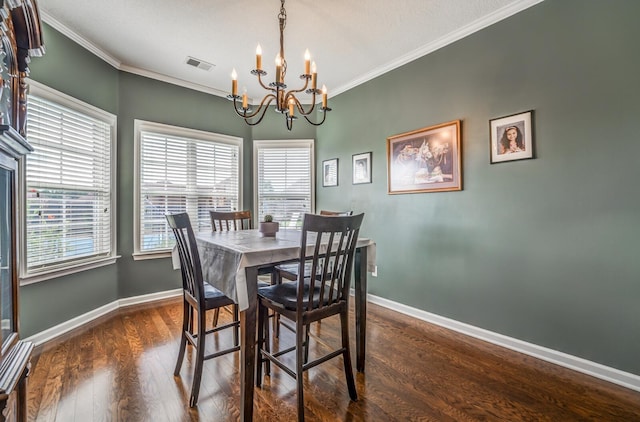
<point>264,111</point>
<point>299,105</point>
<point>319,123</point>
<point>261,108</point>
<point>306,83</point>
<point>268,88</point>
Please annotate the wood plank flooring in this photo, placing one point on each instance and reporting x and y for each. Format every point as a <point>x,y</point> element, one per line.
<point>120,368</point>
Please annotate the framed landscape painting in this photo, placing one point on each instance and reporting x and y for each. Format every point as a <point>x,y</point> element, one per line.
<point>425,160</point>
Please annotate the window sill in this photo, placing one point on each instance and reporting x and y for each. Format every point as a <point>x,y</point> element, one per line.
<point>61,272</point>
<point>141,256</point>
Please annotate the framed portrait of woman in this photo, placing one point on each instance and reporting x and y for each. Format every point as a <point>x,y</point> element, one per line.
<point>511,137</point>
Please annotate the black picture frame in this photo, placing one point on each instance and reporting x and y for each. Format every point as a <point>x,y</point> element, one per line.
<point>361,168</point>
<point>330,172</point>
<point>511,137</point>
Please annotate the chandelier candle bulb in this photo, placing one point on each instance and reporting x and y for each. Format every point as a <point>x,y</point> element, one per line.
<point>244,99</point>
<point>278,68</point>
<point>307,64</point>
<point>258,57</point>
<point>324,96</point>
<point>234,83</point>
<point>314,75</point>
<point>291,105</point>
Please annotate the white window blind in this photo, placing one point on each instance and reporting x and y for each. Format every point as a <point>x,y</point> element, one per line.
<point>284,173</point>
<point>69,201</point>
<point>181,173</point>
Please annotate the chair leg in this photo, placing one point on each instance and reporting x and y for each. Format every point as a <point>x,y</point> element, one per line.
<point>276,278</point>
<point>267,341</point>
<point>259,359</point>
<point>186,324</point>
<point>346,356</point>
<point>190,324</point>
<point>307,328</point>
<point>299,372</point>
<point>216,315</point>
<point>236,328</point>
<point>197,375</point>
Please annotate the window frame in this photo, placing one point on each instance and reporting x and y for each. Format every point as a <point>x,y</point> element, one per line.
<point>276,144</point>
<point>182,132</point>
<point>55,271</point>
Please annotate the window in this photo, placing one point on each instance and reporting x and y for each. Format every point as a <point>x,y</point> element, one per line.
<point>69,221</point>
<point>284,184</point>
<point>181,170</point>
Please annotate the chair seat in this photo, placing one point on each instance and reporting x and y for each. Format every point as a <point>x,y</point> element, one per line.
<point>286,294</point>
<point>214,298</point>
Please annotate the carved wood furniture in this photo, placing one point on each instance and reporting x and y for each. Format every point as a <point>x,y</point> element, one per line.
<point>20,39</point>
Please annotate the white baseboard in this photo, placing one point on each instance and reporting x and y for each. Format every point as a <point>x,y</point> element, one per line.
<point>616,376</point>
<point>80,320</point>
<point>575,363</point>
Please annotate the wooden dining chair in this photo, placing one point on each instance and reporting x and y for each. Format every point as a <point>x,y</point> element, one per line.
<point>290,271</point>
<point>240,220</point>
<point>230,220</point>
<point>199,297</point>
<point>311,299</point>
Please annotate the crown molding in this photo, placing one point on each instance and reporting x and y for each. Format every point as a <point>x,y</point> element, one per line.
<point>450,38</point>
<point>174,81</point>
<point>66,31</point>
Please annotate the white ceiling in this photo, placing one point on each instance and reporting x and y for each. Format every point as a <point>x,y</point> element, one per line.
<point>350,41</point>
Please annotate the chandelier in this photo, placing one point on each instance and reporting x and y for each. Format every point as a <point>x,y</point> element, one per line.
<point>286,102</point>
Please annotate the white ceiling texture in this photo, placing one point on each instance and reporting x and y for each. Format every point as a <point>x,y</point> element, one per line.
<point>350,41</point>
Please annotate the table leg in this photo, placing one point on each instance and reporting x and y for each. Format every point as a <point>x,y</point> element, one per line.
<point>248,321</point>
<point>360,287</point>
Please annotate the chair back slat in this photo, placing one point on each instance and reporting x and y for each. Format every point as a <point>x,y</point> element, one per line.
<point>190,266</point>
<point>334,245</point>
<point>230,220</point>
<point>335,213</point>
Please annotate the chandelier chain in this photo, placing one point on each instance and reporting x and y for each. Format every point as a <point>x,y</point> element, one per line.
<point>282,17</point>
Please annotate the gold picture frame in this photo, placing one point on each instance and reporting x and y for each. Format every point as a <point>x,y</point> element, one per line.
<point>425,160</point>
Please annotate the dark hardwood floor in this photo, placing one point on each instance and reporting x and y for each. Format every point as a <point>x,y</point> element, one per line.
<point>120,368</point>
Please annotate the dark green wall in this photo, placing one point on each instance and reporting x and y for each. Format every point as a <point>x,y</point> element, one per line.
<point>542,250</point>
<point>71,69</point>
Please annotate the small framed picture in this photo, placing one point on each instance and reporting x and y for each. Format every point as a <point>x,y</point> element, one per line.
<point>362,168</point>
<point>330,172</point>
<point>511,137</point>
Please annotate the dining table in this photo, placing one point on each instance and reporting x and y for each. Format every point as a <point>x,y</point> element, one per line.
<point>232,260</point>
